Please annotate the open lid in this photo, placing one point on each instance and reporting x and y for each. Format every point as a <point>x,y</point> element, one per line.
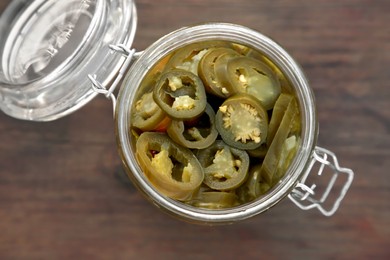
<point>48,48</point>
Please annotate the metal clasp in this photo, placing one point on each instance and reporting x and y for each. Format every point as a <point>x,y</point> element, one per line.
<point>129,54</point>
<point>306,197</point>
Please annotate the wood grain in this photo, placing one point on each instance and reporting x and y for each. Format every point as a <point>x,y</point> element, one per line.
<point>64,195</point>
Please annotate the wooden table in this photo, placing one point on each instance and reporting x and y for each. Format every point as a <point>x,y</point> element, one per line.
<point>64,195</point>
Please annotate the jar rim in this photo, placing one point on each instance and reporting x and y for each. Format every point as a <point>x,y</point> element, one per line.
<point>241,35</point>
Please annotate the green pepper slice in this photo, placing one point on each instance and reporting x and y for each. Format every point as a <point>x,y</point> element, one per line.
<point>275,162</point>
<point>289,149</point>
<point>242,49</point>
<point>221,72</point>
<point>225,167</point>
<point>195,136</point>
<point>277,115</point>
<point>242,122</point>
<point>284,83</point>
<point>211,199</point>
<point>188,57</point>
<point>251,76</point>
<point>148,116</point>
<point>207,70</point>
<point>259,152</point>
<point>180,94</point>
<point>255,185</point>
<point>173,170</point>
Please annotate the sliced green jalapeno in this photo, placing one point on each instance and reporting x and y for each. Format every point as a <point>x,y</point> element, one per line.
<point>242,49</point>
<point>259,152</point>
<point>171,168</point>
<point>188,57</point>
<point>289,149</point>
<point>242,122</point>
<point>284,83</point>
<point>225,167</point>
<point>278,112</point>
<point>195,135</point>
<point>207,70</point>
<point>148,116</point>
<point>296,125</point>
<point>251,76</point>
<point>221,73</point>
<point>255,185</point>
<point>211,199</point>
<point>180,94</point>
<point>273,161</point>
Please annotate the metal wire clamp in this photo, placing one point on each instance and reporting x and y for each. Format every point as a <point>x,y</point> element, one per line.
<point>129,54</point>
<point>303,195</point>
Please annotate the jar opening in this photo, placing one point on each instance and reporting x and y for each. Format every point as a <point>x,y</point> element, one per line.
<point>216,32</point>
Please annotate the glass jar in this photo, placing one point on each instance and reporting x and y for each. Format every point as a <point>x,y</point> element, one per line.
<point>291,185</point>
<point>48,72</point>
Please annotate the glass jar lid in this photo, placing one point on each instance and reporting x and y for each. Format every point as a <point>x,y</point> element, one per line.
<point>48,48</point>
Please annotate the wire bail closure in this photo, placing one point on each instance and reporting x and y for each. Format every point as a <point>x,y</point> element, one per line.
<point>302,192</point>
<point>109,93</point>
